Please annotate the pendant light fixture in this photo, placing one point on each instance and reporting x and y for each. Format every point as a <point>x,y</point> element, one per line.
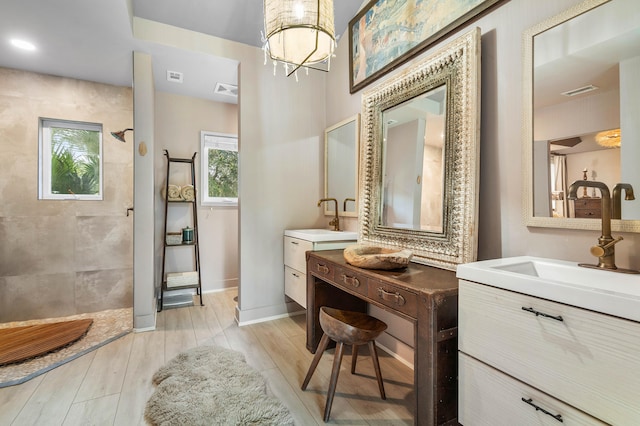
<point>609,139</point>
<point>299,33</point>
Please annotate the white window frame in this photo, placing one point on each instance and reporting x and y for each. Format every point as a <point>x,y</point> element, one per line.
<point>220,141</point>
<point>44,159</point>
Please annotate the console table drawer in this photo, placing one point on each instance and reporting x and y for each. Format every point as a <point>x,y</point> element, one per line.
<point>322,269</point>
<point>351,280</point>
<point>394,297</point>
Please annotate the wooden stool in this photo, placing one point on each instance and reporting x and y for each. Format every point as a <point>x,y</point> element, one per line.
<point>346,327</point>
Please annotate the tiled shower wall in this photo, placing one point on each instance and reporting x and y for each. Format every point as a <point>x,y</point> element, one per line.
<point>62,257</point>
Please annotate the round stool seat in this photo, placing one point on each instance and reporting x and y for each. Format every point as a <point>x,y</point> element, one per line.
<point>346,328</point>
<point>352,328</point>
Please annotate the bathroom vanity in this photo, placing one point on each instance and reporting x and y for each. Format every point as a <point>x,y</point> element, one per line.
<point>544,341</point>
<point>296,243</point>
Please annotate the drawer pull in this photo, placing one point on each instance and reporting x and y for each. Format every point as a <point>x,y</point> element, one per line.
<point>391,297</point>
<point>295,275</point>
<point>352,281</point>
<point>542,314</point>
<point>294,242</point>
<point>322,268</point>
<point>558,417</point>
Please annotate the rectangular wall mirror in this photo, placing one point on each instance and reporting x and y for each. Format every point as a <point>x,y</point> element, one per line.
<point>413,153</point>
<point>341,145</point>
<point>580,90</point>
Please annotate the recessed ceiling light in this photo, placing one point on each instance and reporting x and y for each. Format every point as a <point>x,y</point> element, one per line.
<point>23,44</point>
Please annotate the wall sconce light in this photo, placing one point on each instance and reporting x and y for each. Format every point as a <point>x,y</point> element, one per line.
<point>609,139</point>
<point>299,33</point>
<point>120,135</point>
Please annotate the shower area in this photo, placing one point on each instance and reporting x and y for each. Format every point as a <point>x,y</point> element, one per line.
<point>63,258</point>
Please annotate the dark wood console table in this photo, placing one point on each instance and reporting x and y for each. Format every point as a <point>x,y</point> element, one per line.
<point>426,296</point>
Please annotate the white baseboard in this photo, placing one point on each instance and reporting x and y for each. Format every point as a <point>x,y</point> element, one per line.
<point>219,290</point>
<point>401,351</point>
<point>142,330</point>
<point>267,313</point>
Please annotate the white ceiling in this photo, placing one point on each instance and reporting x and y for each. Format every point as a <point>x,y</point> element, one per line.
<point>87,40</point>
<point>93,40</point>
<point>574,55</point>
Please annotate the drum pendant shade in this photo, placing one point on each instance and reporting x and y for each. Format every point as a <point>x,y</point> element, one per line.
<point>299,32</point>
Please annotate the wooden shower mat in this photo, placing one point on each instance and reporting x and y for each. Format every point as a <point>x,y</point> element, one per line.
<point>22,343</point>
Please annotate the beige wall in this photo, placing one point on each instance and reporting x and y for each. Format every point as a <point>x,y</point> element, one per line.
<point>144,196</point>
<point>280,128</point>
<point>60,257</point>
<point>501,229</point>
<point>178,122</point>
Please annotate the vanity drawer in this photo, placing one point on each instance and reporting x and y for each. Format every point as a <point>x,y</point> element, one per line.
<point>295,286</point>
<point>351,280</point>
<point>294,252</point>
<point>586,359</point>
<point>490,397</point>
<point>394,297</point>
<point>325,270</point>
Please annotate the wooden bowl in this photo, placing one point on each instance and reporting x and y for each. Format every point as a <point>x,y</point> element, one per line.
<point>372,257</point>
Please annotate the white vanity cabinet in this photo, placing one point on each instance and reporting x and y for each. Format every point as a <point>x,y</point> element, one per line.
<point>296,244</point>
<point>528,360</point>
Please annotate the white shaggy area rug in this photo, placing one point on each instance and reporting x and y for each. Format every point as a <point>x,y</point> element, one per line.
<point>210,385</point>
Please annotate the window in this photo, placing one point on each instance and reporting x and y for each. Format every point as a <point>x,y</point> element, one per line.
<point>219,169</point>
<point>70,160</point>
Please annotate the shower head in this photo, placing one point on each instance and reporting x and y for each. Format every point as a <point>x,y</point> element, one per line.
<point>120,135</point>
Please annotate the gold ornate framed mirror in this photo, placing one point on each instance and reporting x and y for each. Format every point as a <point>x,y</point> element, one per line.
<point>419,157</point>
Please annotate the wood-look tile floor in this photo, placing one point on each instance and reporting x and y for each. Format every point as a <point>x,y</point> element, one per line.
<point>111,385</point>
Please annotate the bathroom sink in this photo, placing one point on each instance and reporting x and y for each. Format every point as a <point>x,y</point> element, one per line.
<point>602,291</point>
<point>319,235</point>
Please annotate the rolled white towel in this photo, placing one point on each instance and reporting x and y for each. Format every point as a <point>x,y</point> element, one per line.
<point>174,192</point>
<point>188,193</point>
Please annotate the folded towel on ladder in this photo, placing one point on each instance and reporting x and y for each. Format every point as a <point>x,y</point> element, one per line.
<point>174,192</point>
<point>188,193</point>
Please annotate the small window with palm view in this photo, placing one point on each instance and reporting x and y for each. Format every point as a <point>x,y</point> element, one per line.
<point>219,169</point>
<point>70,160</point>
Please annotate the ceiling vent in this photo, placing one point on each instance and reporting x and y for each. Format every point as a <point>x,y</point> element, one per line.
<point>580,90</point>
<point>226,89</point>
<point>174,76</point>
